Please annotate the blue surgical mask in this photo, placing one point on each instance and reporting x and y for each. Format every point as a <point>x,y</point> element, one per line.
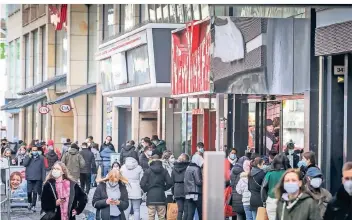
<point>232,156</point>
<point>35,153</point>
<point>291,188</point>
<point>348,186</point>
<point>316,182</point>
<point>201,150</point>
<point>302,163</point>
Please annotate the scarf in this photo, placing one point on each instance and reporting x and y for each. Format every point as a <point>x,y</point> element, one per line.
<point>113,191</point>
<point>63,191</point>
<point>233,162</point>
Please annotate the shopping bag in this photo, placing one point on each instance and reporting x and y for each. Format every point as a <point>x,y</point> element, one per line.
<point>172,211</point>
<point>261,214</point>
<point>227,206</point>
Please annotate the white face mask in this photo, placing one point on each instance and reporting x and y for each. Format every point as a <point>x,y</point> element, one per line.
<point>56,173</point>
<point>149,153</point>
<point>316,182</point>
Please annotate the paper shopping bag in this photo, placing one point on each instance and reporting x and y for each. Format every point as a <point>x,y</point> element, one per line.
<point>172,211</point>
<point>261,214</point>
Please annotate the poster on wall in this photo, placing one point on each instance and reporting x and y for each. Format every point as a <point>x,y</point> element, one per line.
<point>118,68</point>
<point>18,186</point>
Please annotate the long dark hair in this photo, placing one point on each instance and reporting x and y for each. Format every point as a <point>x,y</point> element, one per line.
<point>281,162</point>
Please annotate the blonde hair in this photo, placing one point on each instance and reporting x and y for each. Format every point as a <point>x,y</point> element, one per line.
<point>113,176</point>
<point>65,173</point>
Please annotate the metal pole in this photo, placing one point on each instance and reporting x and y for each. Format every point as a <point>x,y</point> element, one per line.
<point>213,185</point>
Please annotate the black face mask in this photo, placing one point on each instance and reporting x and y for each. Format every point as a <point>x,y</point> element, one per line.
<point>3,144</point>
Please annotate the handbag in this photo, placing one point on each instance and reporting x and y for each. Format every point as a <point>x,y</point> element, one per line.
<point>262,214</point>
<point>51,214</point>
<point>172,211</point>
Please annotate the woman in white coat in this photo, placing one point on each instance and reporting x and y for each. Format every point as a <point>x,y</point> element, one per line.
<point>134,173</point>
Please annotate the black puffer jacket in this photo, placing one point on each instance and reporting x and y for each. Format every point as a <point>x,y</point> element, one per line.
<point>99,202</point>
<point>178,176</point>
<point>128,151</point>
<point>89,158</point>
<point>339,208</point>
<point>52,158</point>
<point>143,161</point>
<point>193,179</point>
<point>237,205</point>
<point>255,180</point>
<point>155,181</point>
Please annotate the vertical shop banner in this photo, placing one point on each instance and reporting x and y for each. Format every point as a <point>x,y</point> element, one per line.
<point>119,69</point>
<point>191,59</point>
<point>18,186</point>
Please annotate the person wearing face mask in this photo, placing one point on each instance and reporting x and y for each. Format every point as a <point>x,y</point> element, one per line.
<point>35,175</point>
<point>255,180</point>
<point>7,154</point>
<point>339,208</point>
<point>291,155</point>
<point>200,148</point>
<point>146,155</point>
<point>293,201</point>
<point>314,180</point>
<point>52,157</point>
<point>105,153</point>
<point>232,158</point>
<point>168,161</point>
<point>62,198</point>
<point>88,169</point>
<point>74,161</point>
<point>308,161</point>
<point>107,144</point>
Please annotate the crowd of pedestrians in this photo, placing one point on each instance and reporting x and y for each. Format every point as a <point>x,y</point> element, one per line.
<point>277,186</point>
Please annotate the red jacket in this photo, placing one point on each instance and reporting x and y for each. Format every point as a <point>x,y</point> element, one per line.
<point>227,170</point>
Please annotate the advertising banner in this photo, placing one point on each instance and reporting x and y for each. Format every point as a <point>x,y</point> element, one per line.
<point>18,186</point>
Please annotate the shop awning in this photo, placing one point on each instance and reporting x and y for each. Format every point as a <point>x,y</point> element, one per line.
<point>87,89</point>
<point>43,85</point>
<point>24,101</point>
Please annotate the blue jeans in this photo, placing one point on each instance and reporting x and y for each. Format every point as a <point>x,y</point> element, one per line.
<point>254,214</point>
<point>136,204</point>
<point>248,212</point>
<point>105,171</point>
<point>92,179</point>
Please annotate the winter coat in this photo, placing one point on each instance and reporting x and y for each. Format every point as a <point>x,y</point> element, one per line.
<point>295,159</point>
<point>99,202</point>
<point>52,157</point>
<point>89,159</point>
<point>321,196</point>
<point>237,205</point>
<point>134,173</point>
<point>160,145</point>
<point>74,162</point>
<point>65,148</point>
<point>255,180</point>
<point>128,151</point>
<point>109,145</point>
<point>105,156</point>
<point>242,188</point>
<point>143,161</point>
<point>193,179</point>
<point>35,169</point>
<point>339,207</point>
<point>77,201</point>
<point>178,178</point>
<point>155,181</point>
<point>303,208</point>
<point>168,166</point>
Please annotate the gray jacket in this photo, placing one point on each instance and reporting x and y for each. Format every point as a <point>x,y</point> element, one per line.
<point>35,169</point>
<point>193,179</point>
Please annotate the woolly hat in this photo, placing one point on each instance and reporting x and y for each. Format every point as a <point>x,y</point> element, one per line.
<point>50,143</point>
<point>247,166</point>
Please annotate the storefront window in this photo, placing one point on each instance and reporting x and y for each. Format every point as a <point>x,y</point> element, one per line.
<point>61,58</point>
<point>293,122</point>
<point>180,14</point>
<point>144,13</point>
<point>268,11</point>
<point>44,54</point>
<point>204,103</point>
<point>28,83</point>
<point>196,12</point>
<point>108,20</point>
<point>159,15</point>
<point>152,14</point>
<point>12,67</point>
<point>192,104</point>
<point>92,65</point>
<point>166,15</point>
<point>205,11</point>
<point>36,74</point>
<point>109,107</point>
<point>106,74</point>
<point>188,13</point>
<point>251,125</point>
<point>138,65</point>
<point>173,14</point>
<point>130,20</point>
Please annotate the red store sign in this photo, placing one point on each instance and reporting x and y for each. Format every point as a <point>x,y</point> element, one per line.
<point>58,16</point>
<point>191,59</point>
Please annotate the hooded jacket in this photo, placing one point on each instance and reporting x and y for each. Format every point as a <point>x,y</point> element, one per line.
<point>74,162</point>
<point>160,145</point>
<point>134,173</point>
<point>339,208</point>
<point>143,161</point>
<point>155,181</point>
<point>52,157</point>
<point>89,159</point>
<point>237,205</point>
<point>242,188</point>
<point>303,208</point>
<point>128,151</point>
<point>178,176</point>
<point>255,180</point>
<point>193,179</point>
<point>321,196</point>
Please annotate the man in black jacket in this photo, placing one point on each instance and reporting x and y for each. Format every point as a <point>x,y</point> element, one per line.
<point>339,208</point>
<point>86,171</point>
<point>35,175</point>
<point>107,143</point>
<point>128,151</point>
<point>155,181</point>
